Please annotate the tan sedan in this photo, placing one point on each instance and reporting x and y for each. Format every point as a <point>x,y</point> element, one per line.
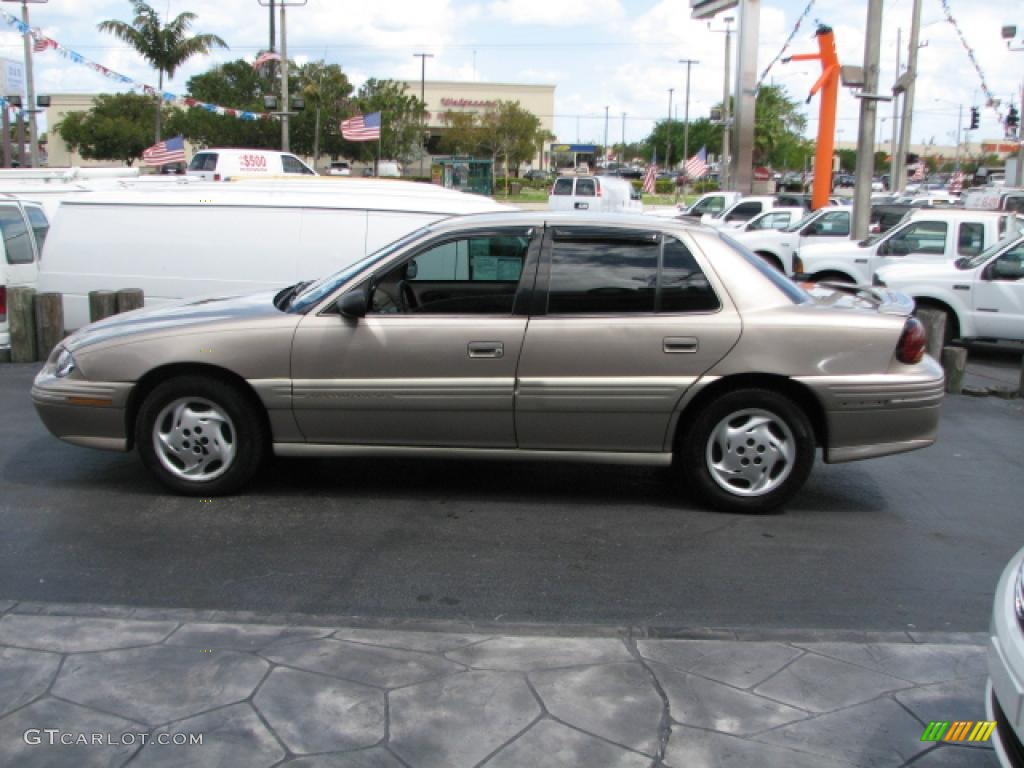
<point>518,335</point>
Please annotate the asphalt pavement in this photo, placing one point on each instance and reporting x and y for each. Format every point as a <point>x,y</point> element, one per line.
<point>907,543</point>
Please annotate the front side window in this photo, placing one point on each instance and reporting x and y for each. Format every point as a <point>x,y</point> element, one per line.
<point>471,275</point>
<point>292,164</point>
<point>710,205</point>
<point>743,212</point>
<point>562,187</point>
<point>832,224</point>
<point>15,234</point>
<point>204,161</point>
<point>1010,266</point>
<point>919,237</point>
<point>971,241</point>
<point>770,221</point>
<point>40,225</point>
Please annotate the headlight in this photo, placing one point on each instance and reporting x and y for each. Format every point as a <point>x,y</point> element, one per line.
<point>65,364</point>
<point>1018,596</point>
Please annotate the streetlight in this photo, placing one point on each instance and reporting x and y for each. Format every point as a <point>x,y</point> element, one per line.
<point>668,125</point>
<point>423,106</point>
<point>33,143</point>
<point>284,114</point>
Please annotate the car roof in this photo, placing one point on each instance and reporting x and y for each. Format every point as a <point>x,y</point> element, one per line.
<point>566,218</point>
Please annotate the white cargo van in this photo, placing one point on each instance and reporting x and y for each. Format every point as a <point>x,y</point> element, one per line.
<point>23,228</point>
<point>227,239</point>
<point>605,194</point>
<point>230,163</point>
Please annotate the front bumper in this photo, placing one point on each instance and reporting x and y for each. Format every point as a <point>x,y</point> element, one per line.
<point>878,415</point>
<point>1005,703</point>
<point>88,413</point>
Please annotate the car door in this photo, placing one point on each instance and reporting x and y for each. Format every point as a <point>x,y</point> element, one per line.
<point>22,267</point>
<point>998,296</point>
<point>625,322</point>
<point>433,362</point>
<point>918,240</point>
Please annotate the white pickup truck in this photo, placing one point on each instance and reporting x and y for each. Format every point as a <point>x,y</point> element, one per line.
<point>777,246</point>
<point>982,295</point>
<point>995,199</point>
<point>929,236</point>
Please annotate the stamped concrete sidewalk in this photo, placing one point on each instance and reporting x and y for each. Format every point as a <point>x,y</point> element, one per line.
<point>301,692</point>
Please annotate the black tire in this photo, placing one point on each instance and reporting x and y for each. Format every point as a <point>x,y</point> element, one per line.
<point>834,277</point>
<point>245,433</point>
<point>696,458</point>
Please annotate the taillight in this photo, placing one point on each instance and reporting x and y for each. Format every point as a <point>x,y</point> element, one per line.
<point>598,185</point>
<point>3,303</point>
<point>216,177</point>
<point>910,348</point>
<point>798,265</point>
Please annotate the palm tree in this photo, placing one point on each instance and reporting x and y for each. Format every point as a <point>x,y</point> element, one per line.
<point>165,46</point>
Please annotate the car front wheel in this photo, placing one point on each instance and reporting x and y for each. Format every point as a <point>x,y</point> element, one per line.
<point>200,436</point>
<point>748,451</point>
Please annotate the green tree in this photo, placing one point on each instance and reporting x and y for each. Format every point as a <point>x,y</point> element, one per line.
<point>778,119</point>
<point>165,46</point>
<point>327,91</point>
<point>401,116</point>
<point>702,134</point>
<point>462,133</point>
<point>116,128</point>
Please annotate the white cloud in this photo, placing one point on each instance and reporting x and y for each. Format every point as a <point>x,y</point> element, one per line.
<point>568,13</point>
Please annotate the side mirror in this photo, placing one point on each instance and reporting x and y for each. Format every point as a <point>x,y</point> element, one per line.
<point>354,303</point>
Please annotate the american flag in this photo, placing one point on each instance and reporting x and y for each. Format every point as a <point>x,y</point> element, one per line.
<point>918,173</point>
<point>361,127</point>
<point>956,183</point>
<point>164,152</point>
<point>649,178</point>
<point>697,165</point>
<point>264,57</point>
<point>41,43</point>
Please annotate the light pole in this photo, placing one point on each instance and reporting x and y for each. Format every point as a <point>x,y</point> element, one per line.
<point>33,142</point>
<point>423,106</point>
<point>606,137</point>
<point>623,134</point>
<point>723,173</point>
<point>668,125</point>
<point>284,113</point>
<point>686,110</point>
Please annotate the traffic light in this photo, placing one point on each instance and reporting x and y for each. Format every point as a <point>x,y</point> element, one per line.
<point>975,119</point>
<point>1012,117</point>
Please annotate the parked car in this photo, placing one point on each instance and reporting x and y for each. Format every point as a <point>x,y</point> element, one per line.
<point>1004,692</point>
<point>606,194</point>
<point>23,229</point>
<point>340,168</point>
<point>777,247</point>
<point>982,295</point>
<point>739,212</point>
<point>536,335</point>
<point>711,202</point>
<point>536,174</point>
<point>927,235</point>
<point>223,164</point>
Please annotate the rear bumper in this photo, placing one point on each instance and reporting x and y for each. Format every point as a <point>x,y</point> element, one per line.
<point>83,412</point>
<point>878,415</point>
<point>1005,697</point>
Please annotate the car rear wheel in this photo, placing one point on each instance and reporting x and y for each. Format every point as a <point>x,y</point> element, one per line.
<point>831,277</point>
<point>200,436</point>
<point>748,451</point>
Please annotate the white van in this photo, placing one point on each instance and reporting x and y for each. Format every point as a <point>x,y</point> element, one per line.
<point>606,194</point>
<point>229,239</point>
<point>23,228</point>
<point>223,164</point>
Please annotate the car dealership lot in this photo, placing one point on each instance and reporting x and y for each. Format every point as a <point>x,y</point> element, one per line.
<point>908,542</point>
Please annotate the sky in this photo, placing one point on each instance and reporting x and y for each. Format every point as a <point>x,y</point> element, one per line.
<point>622,54</point>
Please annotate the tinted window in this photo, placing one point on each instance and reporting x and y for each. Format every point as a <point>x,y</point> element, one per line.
<point>833,224</point>
<point>15,234</point>
<point>683,287</point>
<point>770,221</point>
<point>919,237</point>
<point>1009,266</point>
<point>603,276</point>
<point>710,205</point>
<point>585,187</point>
<point>743,211</point>
<point>292,164</point>
<point>40,225</point>
<point>971,241</point>
<point>474,259</point>
<point>563,187</point>
<point>204,161</point>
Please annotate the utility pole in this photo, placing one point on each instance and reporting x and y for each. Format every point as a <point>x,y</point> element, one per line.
<point>723,173</point>
<point>686,110</point>
<point>894,146</point>
<point>423,103</point>
<point>746,93</point>
<point>959,125</point>
<point>623,135</point>
<point>285,137</point>
<point>30,108</point>
<point>668,126</point>
<point>273,40</point>
<point>606,137</point>
<point>908,96</point>
<point>868,119</point>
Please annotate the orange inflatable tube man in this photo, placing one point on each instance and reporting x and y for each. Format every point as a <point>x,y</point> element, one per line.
<point>828,84</point>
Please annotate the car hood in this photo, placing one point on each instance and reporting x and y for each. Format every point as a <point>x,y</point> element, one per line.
<point>188,316</point>
<point>911,272</point>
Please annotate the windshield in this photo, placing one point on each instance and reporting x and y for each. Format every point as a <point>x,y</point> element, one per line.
<point>804,221</point>
<point>992,250</point>
<point>327,285</point>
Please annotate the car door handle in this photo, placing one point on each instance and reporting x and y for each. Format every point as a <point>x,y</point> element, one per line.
<point>486,349</point>
<point>987,309</point>
<point>679,344</point>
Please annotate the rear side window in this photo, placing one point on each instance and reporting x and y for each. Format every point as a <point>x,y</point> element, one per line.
<point>563,187</point>
<point>15,234</point>
<point>292,164</point>
<point>743,212</point>
<point>40,225</point>
<point>634,275</point>
<point>971,241</point>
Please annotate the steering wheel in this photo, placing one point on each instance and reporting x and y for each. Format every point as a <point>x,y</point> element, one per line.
<point>407,296</point>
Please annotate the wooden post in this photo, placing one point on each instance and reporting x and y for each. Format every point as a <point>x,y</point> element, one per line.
<point>954,362</point>
<point>102,304</point>
<point>23,324</point>
<point>49,323</point>
<point>934,321</point>
<point>129,299</point>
